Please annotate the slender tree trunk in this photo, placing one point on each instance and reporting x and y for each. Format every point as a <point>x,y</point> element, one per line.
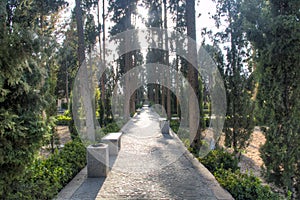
<point>99,25</point>
<point>163,103</point>
<point>163,75</point>
<point>103,99</point>
<point>195,130</point>
<point>177,66</point>
<point>67,85</point>
<point>156,94</point>
<point>167,61</point>
<point>235,74</point>
<point>84,79</point>
<point>133,96</point>
<point>177,88</point>
<point>127,65</point>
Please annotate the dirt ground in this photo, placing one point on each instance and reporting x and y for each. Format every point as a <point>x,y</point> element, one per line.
<point>250,158</point>
<point>64,134</point>
<point>64,137</point>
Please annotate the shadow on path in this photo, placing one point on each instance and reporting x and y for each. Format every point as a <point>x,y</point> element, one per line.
<point>83,188</point>
<point>152,165</point>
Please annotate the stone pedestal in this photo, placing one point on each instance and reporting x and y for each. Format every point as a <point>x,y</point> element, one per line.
<point>164,125</point>
<point>97,160</point>
<point>114,142</point>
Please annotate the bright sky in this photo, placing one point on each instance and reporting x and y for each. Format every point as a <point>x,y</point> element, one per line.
<point>205,7</point>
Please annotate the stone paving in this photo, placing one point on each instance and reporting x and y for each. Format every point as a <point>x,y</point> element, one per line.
<point>151,165</point>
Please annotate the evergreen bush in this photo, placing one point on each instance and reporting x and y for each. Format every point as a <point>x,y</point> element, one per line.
<point>63,120</point>
<point>225,168</point>
<point>217,159</point>
<point>46,177</point>
<point>244,186</point>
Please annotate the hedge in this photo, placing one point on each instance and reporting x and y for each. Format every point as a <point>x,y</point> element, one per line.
<point>63,120</point>
<point>224,166</point>
<point>244,186</point>
<point>46,177</point>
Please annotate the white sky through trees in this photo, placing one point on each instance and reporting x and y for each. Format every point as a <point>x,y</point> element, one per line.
<point>205,7</point>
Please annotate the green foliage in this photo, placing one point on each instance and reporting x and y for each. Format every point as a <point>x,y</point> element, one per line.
<point>111,128</point>
<point>26,82</point>
<point>46,177</point>
<point>72,128</point>
<point>217,159</point>
<point>67,62</point>
<point>236,71</point>
<point>274,31</point>
<point>132,114</point>
<point>63,120</point>
<point>51,136</point>
<point>244,186</point>
<point>225,168</point>
<point>19,137</point>
<point>139,105</point>
<point>174,125</point>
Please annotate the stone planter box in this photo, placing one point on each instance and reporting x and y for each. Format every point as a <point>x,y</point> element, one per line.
<point>164,125</point>
<point>97,160</point>
<point>114,142</point>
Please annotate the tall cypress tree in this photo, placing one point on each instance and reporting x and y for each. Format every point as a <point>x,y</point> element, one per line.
<point>122,12</point>
<point>236,72</point>
<point>274,31</point>
<point>178,12</point>
<point>193,78</point>
<point>22,86</point>
<point>155,55</point>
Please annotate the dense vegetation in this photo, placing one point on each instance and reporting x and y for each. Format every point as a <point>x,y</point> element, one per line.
<point>46,177</point>
<point>224,166</point>
<point>255,44</point>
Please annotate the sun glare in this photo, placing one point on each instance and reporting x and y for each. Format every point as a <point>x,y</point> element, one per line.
<point>142,16</point>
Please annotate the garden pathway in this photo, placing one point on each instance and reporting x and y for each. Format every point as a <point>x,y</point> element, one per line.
<point>151,165</point>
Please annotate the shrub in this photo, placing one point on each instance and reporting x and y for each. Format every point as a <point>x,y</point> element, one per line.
<point>174,124</point>
<point>46,177</point>
<point>110,128</point>
<point>138,105</point>
<point>217,159</point>
<point>132,114</point>
<point>63,120</point>
<point>225,168</point>
<point>244,186</point>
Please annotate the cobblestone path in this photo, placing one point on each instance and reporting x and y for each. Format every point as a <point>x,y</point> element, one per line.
<point>151,165</point>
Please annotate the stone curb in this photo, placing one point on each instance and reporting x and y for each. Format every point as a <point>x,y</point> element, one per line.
<point>72,186</point>
<point>218,190</point>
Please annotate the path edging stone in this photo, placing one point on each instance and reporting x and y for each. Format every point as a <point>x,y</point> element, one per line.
<point>217,189</point>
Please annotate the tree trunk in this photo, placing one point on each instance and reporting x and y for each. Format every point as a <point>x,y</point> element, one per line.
<point>84,79</point>
<point>127,65</point>
<point>167,61</point>
<point>104,63</point>
<point>195,130</point>
<point>99,25</point>
<point>67,86</point>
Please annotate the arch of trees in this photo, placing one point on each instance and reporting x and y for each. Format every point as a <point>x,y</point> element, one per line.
<point>257,54</point>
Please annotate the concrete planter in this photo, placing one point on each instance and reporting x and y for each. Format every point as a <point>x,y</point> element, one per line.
<point>114,142</point>
<point>164,125</point>
<point>97,160</point>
